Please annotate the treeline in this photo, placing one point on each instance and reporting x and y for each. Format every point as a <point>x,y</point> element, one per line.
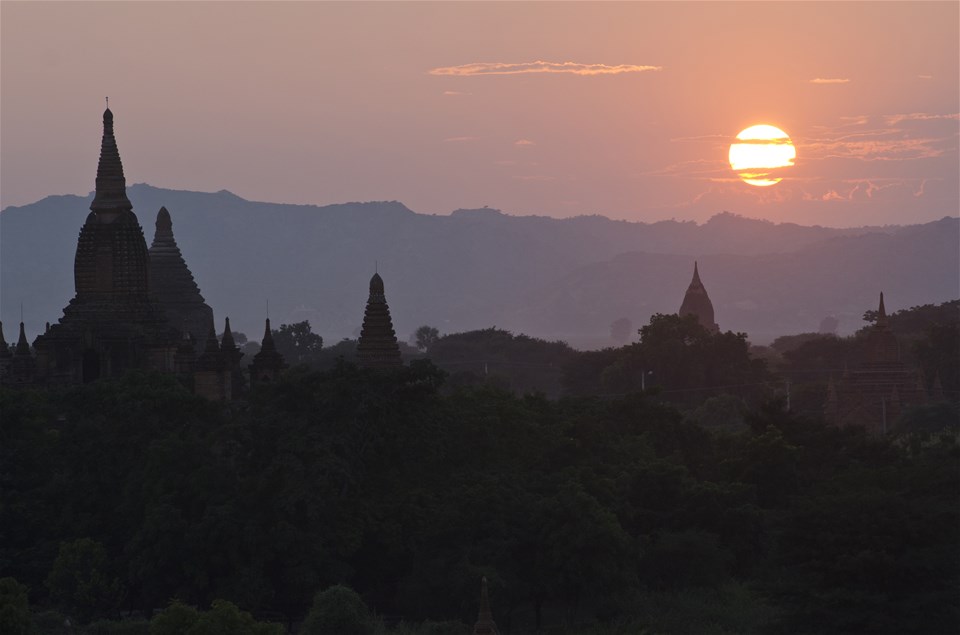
<point>586,514</point>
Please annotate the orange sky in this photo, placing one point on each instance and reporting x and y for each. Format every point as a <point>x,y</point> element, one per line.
<point>443,106</point>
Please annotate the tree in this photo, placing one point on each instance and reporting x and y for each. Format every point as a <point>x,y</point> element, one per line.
<point>621,329</point>
<point>223,618</point>
<point>14,610</point>
<point>338,610</point>
<point>80,584</point>
<point>426,336</point>
<point>298,343</point>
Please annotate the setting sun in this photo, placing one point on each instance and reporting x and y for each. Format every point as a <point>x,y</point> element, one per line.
<point>759,154</point>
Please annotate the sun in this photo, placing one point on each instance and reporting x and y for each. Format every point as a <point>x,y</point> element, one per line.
<point>760,154</point>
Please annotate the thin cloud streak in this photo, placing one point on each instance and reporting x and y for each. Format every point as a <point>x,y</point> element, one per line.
<point>833,80</point>
<point>893,120</point>
<point>459,139</point>
<point>524,142</point>
<point>508,68</point>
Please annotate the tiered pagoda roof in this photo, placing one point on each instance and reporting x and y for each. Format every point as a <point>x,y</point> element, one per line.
<point>173,286</point>
<point>377,347</point>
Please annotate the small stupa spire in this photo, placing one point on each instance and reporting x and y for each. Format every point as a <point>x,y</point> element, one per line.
<point>267,343</point>
<point>164,225</point>
<point>267,364</point>
<point>881,312</point>
<point>23,347</point>
<point>485,624</point>
<point>227,341</point>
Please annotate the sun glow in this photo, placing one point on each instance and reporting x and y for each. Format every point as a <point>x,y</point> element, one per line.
<point>761,153</point>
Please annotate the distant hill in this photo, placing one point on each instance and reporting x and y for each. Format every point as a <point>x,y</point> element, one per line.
<point>542,276</point>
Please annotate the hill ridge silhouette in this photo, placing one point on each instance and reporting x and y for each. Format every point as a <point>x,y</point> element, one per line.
<point>555,278</point>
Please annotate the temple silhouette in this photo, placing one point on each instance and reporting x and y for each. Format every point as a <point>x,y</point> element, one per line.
<point>879,388</point>
<point>136,308</point>
<point>697,302</point>
<point>377,347</point>
<point>141,309</point>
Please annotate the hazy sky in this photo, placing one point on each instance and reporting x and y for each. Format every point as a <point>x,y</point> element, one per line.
<point>622,109</point>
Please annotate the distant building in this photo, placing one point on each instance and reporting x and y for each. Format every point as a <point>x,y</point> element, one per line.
<point>112,325</point>
<point>874,394</point>
<point>377,346</point>
<point>134,308</point>
<point>697,302</point>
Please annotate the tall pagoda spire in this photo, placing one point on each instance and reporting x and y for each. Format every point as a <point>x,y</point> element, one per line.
<point>377,347</point>
<point>485,624</point>
<point>111,195</point>
<point>697,302</point>
<point>111,260</point>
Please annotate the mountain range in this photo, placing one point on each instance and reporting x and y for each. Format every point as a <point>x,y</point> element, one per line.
<point>552,278</point>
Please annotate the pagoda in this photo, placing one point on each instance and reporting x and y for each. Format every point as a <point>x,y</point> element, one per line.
<point>172,285</point>
<point>268,362</point>
<point>875,393</point>
<point>485,624</point>
<point>112,324</point>
<point>697,302</point>
<point>377,347</point>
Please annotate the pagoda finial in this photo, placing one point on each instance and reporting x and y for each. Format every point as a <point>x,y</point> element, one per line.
<point>882,311</point>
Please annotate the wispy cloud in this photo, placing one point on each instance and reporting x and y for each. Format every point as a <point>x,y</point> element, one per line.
<point>459,139</point>
<point>856,120</point>
<point>925,76</point>
<point>893,120</point>
<point>831,80</point>
<point>874,145</point>
<point>863,189</point>
<point>508,68</point>
<point>524,142</point>
<point>453,93</point>
<point>535,177</point>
